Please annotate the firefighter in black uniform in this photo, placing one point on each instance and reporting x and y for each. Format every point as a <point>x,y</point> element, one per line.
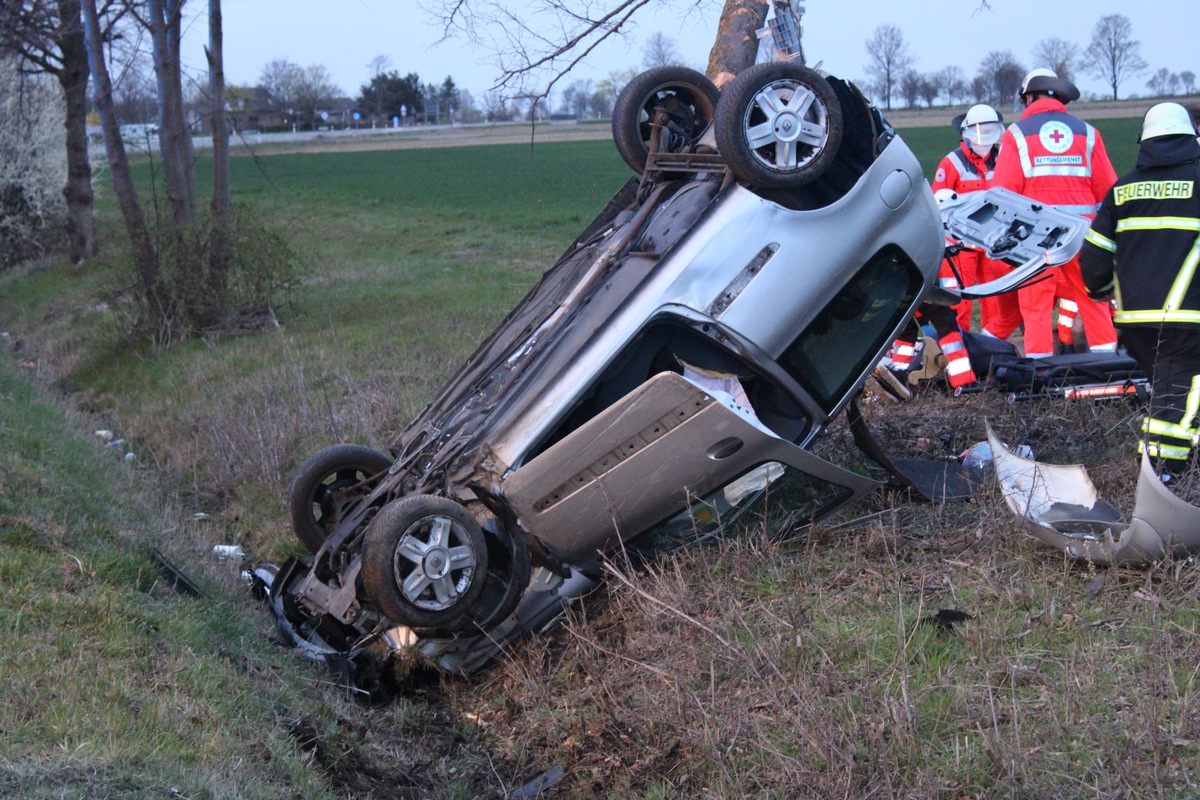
<point>1144,249</point>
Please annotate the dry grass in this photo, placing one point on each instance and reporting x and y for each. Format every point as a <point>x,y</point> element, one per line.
<point>774,665</point>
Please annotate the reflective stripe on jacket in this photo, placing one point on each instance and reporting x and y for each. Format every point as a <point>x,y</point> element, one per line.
<point>1052,156</point>
<point>1144,245</point>
<point>962,171</point>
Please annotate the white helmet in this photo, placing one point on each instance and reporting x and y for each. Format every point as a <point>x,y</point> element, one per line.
<point>1045,81</point>
<point>982,125</point>
<point>1166,119</point>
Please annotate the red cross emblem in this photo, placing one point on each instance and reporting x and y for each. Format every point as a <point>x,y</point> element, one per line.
<point>1056,137</point>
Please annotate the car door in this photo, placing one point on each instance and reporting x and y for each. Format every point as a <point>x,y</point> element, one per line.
<point>648,457</point>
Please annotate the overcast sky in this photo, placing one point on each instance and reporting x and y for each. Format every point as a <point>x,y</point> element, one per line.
<point>345,35</point>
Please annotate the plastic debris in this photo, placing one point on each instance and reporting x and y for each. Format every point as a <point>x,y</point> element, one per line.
<point>226,552</point>
<point>977,455</point>
<point>980,454</point>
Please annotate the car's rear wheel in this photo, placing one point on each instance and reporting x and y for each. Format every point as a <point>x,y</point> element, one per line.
<point>327,484</point>
<point>424,562</point>
<point>778,126</point>
<point>686,97</point>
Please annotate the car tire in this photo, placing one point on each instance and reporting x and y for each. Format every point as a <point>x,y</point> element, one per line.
<point>688,97</point>
<point>317,493</point>
<point>424,563</point>
<point>778,126</point>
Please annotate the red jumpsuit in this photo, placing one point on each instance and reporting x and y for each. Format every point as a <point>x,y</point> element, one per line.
<point>963,171</point>
<point>1056,158</point>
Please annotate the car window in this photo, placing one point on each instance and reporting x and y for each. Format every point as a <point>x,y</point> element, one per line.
<point>805,496</point>
<point>834,351</point>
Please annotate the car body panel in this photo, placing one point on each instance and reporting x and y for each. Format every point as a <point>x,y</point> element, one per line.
<point>1059,505</point>
<point>606,479</point>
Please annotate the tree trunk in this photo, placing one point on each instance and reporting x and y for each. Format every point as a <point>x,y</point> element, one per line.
<point>144,256</point>
<point>218,265</point>
<point>174,139</point>
<point>736,45</point>
<point>73,77</point>
<point>175,57</point>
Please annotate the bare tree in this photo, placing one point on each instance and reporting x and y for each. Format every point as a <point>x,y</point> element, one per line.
<point>145,255</point>
<point>980,89</point>
<point>1187,82</point>
<point>889,60</point>
<point>532,62</point>
<point>218,254</point>
<point>952,82</point>
<point>135,95</point>
<point>313,89</point>
<point>164,20</point>
<point>195,294</point>
<point>1001,76</point>
<point>576,98</point>
<point>659,52</point>
<point>279,78</point>
<point>47,35</point>
<point>1057,54</point>
<point>495,107</point>
<point>910,87</point>
<point>931,88</point>
<point>1114,56</point>
<point>379,65</point>
<point>1159,81</point>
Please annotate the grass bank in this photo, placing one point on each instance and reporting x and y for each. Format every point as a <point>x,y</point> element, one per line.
<point>771,665</point>
<point>115,684</point>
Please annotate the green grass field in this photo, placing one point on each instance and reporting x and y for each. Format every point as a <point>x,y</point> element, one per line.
<point>766,666</point>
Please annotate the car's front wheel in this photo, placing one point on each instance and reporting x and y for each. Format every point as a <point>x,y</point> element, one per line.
<point>778,126</point>
<point>424,562</point>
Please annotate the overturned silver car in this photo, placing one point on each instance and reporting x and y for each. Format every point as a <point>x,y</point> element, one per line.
<point>682,353</point>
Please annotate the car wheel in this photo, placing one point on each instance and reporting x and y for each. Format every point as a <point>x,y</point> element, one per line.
<point>326,485</point>
<point>778,126</point>
<point>424,562</point>
<point>688,98</point>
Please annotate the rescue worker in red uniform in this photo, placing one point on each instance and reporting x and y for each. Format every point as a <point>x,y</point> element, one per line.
<point>1058,159</point>
<point>945,323</point>
<point>958,363</point>
<point>1143,248</point>
<point>968,168</point>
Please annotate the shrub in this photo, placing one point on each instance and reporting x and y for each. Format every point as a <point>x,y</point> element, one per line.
<point>262,268</point>
<point>33,165</point>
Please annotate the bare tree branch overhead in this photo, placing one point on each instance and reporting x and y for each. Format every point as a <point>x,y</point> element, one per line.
<point>534,45</point>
